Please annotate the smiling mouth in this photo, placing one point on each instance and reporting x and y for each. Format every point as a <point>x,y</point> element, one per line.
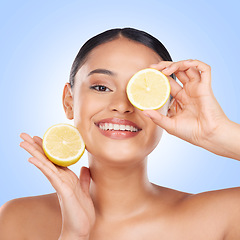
<point>118,128</point>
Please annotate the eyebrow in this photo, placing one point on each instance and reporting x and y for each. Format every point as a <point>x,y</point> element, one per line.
<point>102,71</point>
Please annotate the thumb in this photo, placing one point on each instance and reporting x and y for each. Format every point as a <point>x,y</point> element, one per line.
<point>85,179</point>
<point>160,119</point>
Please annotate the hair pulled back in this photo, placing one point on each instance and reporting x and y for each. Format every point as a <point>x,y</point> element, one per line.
<point>112,34</point>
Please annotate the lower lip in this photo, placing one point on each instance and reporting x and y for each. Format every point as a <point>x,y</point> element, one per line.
<point>114,134</point>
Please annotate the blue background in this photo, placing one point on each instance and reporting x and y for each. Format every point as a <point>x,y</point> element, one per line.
<point>38,42</point>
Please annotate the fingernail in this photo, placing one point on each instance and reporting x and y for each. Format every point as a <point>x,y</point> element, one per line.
<point>146,114</point>
<point>165,69</point>
<point>153,65</point>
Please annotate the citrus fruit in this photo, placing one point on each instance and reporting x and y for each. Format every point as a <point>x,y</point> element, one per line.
<point>63,144</point>
<point>148,89</point>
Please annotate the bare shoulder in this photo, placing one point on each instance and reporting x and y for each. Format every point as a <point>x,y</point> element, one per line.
<point>209,215</point>
<point>220,209</point>
<point>172,196</point>
<point>228,200</point>
<point>25,218</point>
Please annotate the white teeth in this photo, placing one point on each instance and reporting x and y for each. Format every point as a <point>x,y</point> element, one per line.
<point>128,128</point>
<point>115,127</point>
<point>110,126</point>
<point>122,127</point>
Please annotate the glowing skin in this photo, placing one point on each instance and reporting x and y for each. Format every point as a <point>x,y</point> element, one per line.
<point>122,58</point>
<point>117,159</point>
<point>114,199</point>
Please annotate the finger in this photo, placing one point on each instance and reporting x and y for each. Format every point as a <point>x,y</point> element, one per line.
<point>174,67</point>
<point>37,154</point>
<point>182,77</point>
<point>193,74</point>
<point>178,68</point>
<point>204,68</point>
<point>186,65</point>
<point>175,87</point>
<point>38,141</point>
<point>85,179</point>
<point>30,140</point>
<point>161,120</point>
<point>164,64</point>
<point>48,172</point>
<point>27,137</point>
<point>161,65</point>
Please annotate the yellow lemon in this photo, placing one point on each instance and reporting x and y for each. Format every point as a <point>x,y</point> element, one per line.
<point>63,144</point>
<point>148,89</point>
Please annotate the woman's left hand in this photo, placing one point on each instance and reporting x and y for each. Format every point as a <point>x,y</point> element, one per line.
<point>194,114</point>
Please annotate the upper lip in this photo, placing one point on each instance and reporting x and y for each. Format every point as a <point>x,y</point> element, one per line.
<point>118,121</point>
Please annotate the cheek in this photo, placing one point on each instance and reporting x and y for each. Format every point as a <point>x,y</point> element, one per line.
<point>85,107</point>
<point>155,135</point>
<point>86,110</point>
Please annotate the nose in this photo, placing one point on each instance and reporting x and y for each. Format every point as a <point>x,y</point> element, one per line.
<point>120,103</point>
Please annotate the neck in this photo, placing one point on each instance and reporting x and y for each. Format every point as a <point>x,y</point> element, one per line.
<point>119,190</point>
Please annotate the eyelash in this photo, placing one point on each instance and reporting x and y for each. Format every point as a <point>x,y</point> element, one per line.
<point>97,88</point>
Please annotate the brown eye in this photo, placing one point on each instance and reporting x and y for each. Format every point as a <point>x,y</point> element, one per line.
<point>100,88</point>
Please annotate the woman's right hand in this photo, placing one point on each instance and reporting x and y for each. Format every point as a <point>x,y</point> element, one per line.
<point>78,213</point>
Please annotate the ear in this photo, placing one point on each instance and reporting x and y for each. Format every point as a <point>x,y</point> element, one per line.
<point>173,108</point>
<point>67,100</point>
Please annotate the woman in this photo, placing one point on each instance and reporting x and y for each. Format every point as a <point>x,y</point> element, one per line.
<point>113,198</point>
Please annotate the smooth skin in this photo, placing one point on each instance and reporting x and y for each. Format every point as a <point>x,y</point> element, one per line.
<point>113,198</point>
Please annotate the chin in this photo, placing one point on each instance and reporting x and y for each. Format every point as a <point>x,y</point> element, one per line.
<point>119,155</point>
<point>121,152</point>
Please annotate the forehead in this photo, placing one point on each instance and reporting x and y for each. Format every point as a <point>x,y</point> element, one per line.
<point>122,56</point>
<point>122,51</point>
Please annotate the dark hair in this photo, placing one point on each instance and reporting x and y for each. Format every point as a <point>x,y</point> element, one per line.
<point>112,34</point>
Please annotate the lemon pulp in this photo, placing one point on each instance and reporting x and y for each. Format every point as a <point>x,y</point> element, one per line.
<point>148,89</point>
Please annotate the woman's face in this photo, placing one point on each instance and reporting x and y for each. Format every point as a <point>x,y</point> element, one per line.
<point>101,106</point>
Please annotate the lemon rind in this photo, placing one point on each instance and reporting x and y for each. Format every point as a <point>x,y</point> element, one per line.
<point>60,161</point>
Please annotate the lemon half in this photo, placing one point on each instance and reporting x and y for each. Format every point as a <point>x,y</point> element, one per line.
<point>148,89</point>
<point>63,144</point>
